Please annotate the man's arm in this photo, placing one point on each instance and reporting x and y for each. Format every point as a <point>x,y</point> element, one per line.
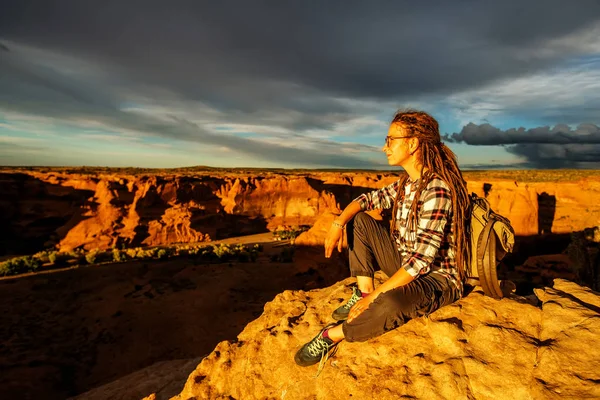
<point>400,278</point>
<point>381,198</point>
<point>349,212</point>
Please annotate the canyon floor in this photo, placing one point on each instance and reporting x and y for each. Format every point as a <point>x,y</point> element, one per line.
<point>65,332</point>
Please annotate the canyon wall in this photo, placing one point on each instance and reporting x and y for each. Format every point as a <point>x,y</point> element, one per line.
<point>41,209</point>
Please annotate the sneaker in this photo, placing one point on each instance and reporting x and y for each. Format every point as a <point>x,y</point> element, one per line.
<point>341,313</point>
<point>315,350</point>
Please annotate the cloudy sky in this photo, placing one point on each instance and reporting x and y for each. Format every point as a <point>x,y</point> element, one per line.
<point>312,84</point>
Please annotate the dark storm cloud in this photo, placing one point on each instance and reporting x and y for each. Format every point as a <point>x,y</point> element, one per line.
<point>542,147</point>
<point>232,54</point>
<point>287,65</point>
<point>556,156</point>
<point>499,166</point>
<point>488,135</point>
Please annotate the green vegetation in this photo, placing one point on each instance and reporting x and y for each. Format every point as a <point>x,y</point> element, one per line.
<point>290,233</point>
<point>90,257</point>
<point>20,265</point>
<point>46,260</point>
<point>224,252</point>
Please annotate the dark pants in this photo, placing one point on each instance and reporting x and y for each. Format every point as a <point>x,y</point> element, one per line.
<point>371,248</point>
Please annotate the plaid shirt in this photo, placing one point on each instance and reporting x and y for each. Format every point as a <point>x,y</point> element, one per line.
<point>429,247</point>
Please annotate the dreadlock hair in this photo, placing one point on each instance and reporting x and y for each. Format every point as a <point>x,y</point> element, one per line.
<point>435,158</point>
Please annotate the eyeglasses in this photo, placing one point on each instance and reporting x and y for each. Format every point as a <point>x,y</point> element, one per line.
<point>388,139</point>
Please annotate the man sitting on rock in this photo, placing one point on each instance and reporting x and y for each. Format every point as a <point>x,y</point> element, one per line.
<point>425,254</point>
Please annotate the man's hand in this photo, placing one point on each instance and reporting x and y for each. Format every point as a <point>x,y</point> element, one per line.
<point>335,237</point>
<point>360,306</point>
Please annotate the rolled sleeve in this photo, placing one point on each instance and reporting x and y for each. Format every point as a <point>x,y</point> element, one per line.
<point>433,216</point>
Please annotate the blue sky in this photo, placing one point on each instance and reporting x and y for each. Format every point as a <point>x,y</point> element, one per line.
<point>304,85</point>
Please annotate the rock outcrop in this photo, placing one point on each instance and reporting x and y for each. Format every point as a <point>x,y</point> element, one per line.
<point>67,211</point>
<point>477,348</point>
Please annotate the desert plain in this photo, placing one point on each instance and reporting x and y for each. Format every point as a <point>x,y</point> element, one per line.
<point>186,327</point>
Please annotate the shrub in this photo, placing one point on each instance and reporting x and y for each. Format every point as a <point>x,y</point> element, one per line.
<point>142,254</point>
<point>78,255</point>
<point>91,257</point>
<point>290,233</point>
<point>131,253</point>
<point>58,259</point>
<point>181,251</point>
<point>20,265</point>
<point>238,248</point>
<point>223,252</point>
<point>194,251</point>
<point>153,252</point>
<point>209,253</point>
<point>43,256</point>
<point>118,256</point>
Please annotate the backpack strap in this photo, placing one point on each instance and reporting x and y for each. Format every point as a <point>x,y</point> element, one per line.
<point>486,261</point>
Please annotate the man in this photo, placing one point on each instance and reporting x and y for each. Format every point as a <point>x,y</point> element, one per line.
<point>425,253</point>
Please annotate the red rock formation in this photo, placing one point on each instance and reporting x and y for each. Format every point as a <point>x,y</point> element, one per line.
<point>517,202</point>
<point>564,207</point>
<point>41,209</point>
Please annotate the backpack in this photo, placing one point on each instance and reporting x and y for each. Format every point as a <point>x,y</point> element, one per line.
<point>492,237</point>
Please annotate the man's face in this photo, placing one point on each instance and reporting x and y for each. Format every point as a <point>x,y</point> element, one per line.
<point>396,146</point>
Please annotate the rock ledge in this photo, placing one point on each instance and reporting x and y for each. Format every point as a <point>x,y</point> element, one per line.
<point>477,348</point>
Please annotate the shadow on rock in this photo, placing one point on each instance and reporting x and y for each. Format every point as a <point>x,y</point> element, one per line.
<point>67,332</point>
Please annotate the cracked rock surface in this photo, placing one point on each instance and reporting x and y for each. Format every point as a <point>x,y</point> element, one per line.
<point>476,348</point>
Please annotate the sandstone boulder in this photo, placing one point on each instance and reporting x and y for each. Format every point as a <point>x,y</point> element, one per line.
<point>477,348</point>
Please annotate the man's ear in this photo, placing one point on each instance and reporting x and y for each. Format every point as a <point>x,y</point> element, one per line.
<point>413,145</point>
